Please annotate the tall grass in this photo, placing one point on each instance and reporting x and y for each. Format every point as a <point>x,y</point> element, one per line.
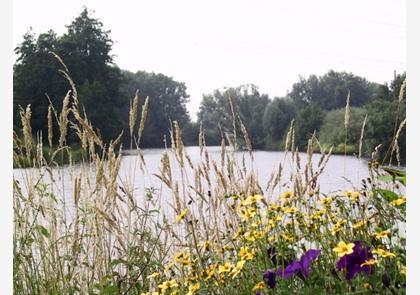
<point>222,233</point>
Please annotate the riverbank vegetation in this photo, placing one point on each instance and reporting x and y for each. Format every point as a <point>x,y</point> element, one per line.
<point>314,103</point>
<point>222,232</point>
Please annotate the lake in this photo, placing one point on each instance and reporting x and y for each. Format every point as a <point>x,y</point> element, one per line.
<point>341,172</point>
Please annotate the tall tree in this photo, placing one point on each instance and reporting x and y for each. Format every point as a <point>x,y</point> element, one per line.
<point>85,49</point>
<point>277,117</point>
<point>248,104</point>
<point>330,90</point>
<point>167,103</point>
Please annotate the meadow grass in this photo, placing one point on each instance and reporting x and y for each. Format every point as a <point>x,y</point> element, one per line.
<point>224,232</point>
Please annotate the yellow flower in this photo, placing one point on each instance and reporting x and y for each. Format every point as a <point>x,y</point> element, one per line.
<point>249,236</point>
<point>251,200</point>
<point>325,201</point>
<point>369,262</point>
<point>183,258</point>
<point>181,216</point>
<point>382,234</point>
<point>192,289</point>
<point>205,245</point>
<point>398,202</point>
<point>383,253</point>
<point>153,275</point>
<point>287,237</point>
<point>286,195</point>
<point>227,267</point>
<point>168,285</point>
<point>291,210</point>
<point>259,286</point>
<point>274,207</point>
<point>211,271</point>
<point>344,249</point>
<point>238,233</point>
<point>247,213</point>
<point>403,270</point>
<point>246,254</point>
<point>352,195</point>
<point>359,224</point>
<point>237,269</point>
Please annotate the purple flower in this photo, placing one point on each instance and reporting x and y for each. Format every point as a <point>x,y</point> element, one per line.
<point>270,278</point>
<point>300,267</point>
<point>352,262</point>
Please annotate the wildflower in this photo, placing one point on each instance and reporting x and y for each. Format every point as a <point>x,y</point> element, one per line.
<point>183,258</point>
<point>355,261</point>
<point>211,271</point>
<point>383,253</point>
<point>247,213</point>
<point>359,224</point>
<point>325,201</point>
<point>246,254</point>
<point>259,286</point>
<point>238,233</point>
<point>269,277</point>
<point>237,269</point>
<point>291,210</point>
<point>403,270</point>
<point>227,267</point>
<point>353,196</point>
<point>192,289</point>
<point>301,266</point>
<point>251,200</point>
<point>182,215</point>
<point>153,275</point>
<point>369,262</point>
<point>382,234</point>
<point>344,249</point>
<point>398,202</point>
<point>287,237</point>
<point>168,285</point>
<point>206,245</point>
<point>274,207</point>
<point>286,195</point>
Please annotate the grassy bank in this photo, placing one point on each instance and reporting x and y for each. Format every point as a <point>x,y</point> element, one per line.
<point>51,156</point>
<point>221,232</point>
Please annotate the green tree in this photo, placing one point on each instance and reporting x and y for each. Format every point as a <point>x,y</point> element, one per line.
<point>167,103</point>
<point>215,113</point>
<point>85,49</point>
<point>35,74</point>
<point>333,132</point>
<point>330,90</point>
<point>308,120</point>
<point>277,117</point>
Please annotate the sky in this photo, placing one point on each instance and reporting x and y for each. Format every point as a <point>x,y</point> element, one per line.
<point>216,44</point>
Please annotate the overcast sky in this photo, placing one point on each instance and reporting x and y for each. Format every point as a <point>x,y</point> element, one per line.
<point>214,44</point>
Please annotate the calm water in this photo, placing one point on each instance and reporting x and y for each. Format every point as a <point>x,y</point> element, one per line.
<point>341,172</point>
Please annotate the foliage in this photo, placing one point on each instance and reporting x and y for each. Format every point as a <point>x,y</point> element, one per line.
<point>333,132</point>
<point>219,235</point>
<point>276,120</point>
<point>308,121</point>
<point>330,90</point>
<point>215,113</point>
<point>167,99</point>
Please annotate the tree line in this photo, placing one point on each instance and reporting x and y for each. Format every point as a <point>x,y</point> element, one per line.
<point>314,104</point>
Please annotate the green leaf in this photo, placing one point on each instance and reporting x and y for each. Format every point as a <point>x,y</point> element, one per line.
<point>385,178</point>
<point>43,231</point>
<point>387,195</point>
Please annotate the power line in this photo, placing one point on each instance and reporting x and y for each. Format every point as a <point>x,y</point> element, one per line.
<point>314,52</point>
